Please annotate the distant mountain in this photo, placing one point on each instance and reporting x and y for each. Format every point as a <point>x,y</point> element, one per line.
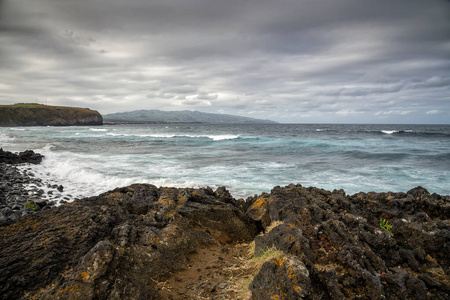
<point>184,116</point>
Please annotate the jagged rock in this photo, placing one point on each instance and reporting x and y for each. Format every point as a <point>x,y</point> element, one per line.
<point>116,245</point>
<point>283,278</point>
<point>13,193</point>
<point>258,210</point>
<point>28,156</point>
<point>126,243</point>
<point>286,238</point>
<point>339,240</point>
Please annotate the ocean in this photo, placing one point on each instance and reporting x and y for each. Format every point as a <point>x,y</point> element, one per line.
<point>246,159</point>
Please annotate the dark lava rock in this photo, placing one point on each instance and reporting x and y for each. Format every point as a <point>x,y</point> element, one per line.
<point>117,245</point>
<point>124,243</point>
<point>283,278</point>
<point>28,156</point>
<point>15,199</point>
<point>335,248</point>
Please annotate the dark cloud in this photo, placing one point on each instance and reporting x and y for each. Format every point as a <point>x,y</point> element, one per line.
<point>291,60</point>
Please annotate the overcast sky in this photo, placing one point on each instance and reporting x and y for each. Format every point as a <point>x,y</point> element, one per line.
<point>299,61</point>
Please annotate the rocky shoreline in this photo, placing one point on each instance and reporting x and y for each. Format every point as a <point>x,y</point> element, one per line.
<point>145,242</point>
<point>21,192</point>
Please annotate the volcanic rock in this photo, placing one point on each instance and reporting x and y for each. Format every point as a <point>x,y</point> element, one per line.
<point>144,242</point>
<point>117,245</point>
<point>28,156</point>
<point>336,249</point>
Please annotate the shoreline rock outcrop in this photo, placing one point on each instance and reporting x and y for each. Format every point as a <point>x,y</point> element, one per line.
<point>15,199</point>
<point>128,242</point>
<point>45,115</point>
<point>116,245</point>
<point>336,248</point>
<point>28,156</point>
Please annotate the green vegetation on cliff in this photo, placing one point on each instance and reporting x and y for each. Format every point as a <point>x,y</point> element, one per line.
<point>33,114</point>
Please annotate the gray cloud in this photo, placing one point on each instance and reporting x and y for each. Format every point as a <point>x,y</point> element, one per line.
<point>433,82</point>
<point>290,60</point>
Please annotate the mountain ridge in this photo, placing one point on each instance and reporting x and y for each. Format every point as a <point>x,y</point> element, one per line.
<point>182,116</point>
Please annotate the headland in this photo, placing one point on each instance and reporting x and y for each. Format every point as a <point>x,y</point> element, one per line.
<point>33,114</point>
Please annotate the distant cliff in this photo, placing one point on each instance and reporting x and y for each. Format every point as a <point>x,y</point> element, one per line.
<point>31,114</point>
<point>184,116</point>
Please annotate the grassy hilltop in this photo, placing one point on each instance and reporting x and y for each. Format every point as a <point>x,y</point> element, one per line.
<point>33,114</point>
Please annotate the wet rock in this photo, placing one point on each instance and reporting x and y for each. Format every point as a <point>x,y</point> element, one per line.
<point>14,194</point>
<point>28,156</point>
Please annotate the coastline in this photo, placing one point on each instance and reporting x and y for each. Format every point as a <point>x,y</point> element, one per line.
<point>15,200</point>
<point>21,191</point>
<point>143,241</point>
<point>248,159</point>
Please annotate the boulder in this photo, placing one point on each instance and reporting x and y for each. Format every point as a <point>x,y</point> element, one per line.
<point>282,278</point>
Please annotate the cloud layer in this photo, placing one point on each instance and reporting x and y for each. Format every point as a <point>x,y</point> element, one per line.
<point>289,60</point>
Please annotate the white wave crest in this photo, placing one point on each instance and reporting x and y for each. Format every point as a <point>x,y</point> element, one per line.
<point>98,129</point>
<point>169,136</point>
<point>117,134</point>
<point>389,131</point>
<point>4,137</point>
<point>80,181</point>
<point>216,137</point>
<point>17,129</point>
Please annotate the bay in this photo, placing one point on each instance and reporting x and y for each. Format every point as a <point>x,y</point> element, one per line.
<point>246,159</point>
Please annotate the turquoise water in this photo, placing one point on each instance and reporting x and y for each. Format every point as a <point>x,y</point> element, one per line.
<point>247,159</point>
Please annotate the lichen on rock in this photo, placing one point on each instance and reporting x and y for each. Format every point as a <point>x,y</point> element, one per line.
<point>347,255</point>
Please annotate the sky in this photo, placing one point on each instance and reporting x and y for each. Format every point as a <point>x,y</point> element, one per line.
<point>292,61</point>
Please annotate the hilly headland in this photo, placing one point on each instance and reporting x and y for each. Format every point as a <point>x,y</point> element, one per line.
<point>33,114</point>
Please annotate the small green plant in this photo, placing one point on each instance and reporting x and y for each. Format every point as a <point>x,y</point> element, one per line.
<point>31,205</point>
<point>385,225</point>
